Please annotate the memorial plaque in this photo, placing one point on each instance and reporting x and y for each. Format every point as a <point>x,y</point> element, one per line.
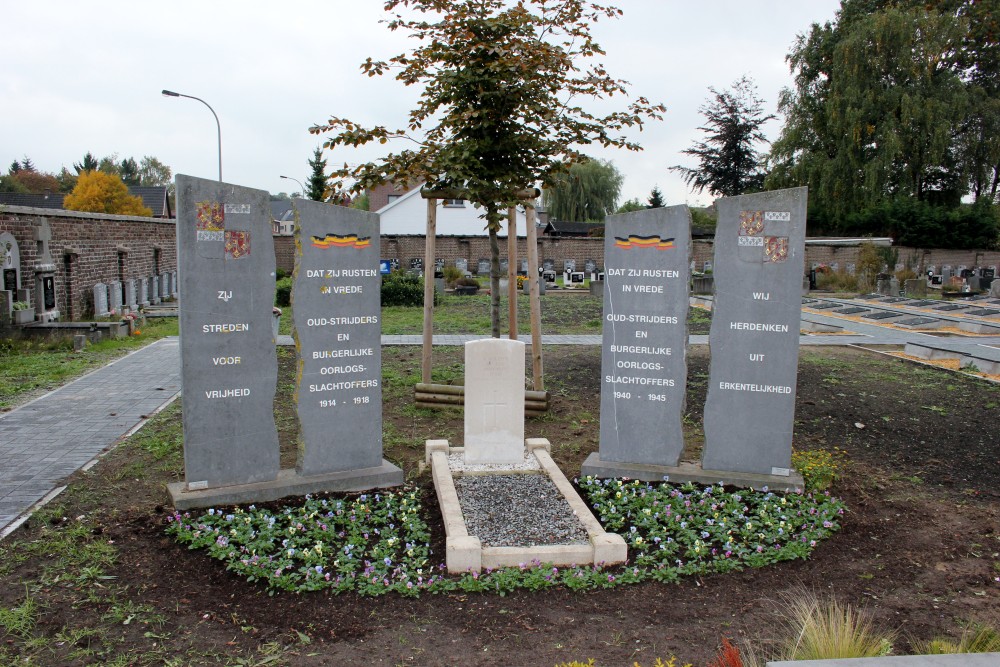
<point>852,310</point>
<point>577,277</point>
<point>416,264</point>
<point>483,267</point>
<point>589,266</point>
<point>917,322</point>
<point>524,267</point>
<point>231,239</point>
<point>569,265</point>
<point>825,306</point>
<point>754,336</point>
<point>462,264</point>
<point>643,360</point>
<point>49,292</point>
<point>100,299</point>
<point>175,288</point>
<point>154,289</point>
<point>881,315</point>
<point>982,312</point>
<point>851,269</point>
<point>922,304</point>
<point>228,360</point>
<point>549,265</point>
<point>494,401</point>
<point>504,265</point>
<point>335,294</point>
<point>10,262</point>
<point>950,307</point>
<point>143,292</point>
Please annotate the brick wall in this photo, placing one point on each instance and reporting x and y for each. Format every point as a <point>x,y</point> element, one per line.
<point>472,248</point>
<point>88,248</point>
<point>284,252</point>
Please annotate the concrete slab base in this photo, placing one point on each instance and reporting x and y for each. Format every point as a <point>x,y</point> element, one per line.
<point>288,483</point>
<point>465,553</point>
<point>980,328</point>
<point>819,327</point>
<point>689,472</point>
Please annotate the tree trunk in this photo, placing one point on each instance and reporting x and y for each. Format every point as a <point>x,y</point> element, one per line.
<point>494,280</point>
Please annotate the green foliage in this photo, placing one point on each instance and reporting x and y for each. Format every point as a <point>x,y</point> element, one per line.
<point>283,292</point>
<point>402,289</point>
<point>656,198</point>
<point>825,630</point>
<point>452,274</point>
<point>588,192</point>
<point>316,185</point>
<point>701,218</point>
<point>631,205</point>
<point>89,163</point>
<point>728,162</point>
<point>975,638</point>
<point>920,224</point>
<point>818,467</point>
<point>892,100</point>
<point>361,202</point>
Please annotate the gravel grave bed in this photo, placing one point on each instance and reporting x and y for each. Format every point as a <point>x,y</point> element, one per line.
<point>522,510</point>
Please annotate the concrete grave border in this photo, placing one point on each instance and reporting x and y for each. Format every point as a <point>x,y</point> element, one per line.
<point>465,553</point>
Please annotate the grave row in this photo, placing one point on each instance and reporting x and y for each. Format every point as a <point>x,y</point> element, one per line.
<point>133,293</point>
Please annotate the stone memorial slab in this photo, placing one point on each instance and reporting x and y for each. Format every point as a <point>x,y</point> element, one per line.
<point>569,265</point>
<point>882,315</point>
<point>165,286</point>
<point>439,264</point>
<point>643,358</point>
<point>335,295</point>
<point>175,287</point>
<point>483,267</point>
<point>143,292</point>
<point>494,401</point>
<point>462,264</point>
<point>577,278</point>
<point>130,295</point>
<point>895,299</point>
<point>708,266</point>
<point>982,312</point>
<point>228,360</point>
<point>100,299</point>
<point>524,267</point>
<point>154,289</point>
<point>825,306</point>
<point>950,307</point>
<point>548,276</point>
<point>589,266</point>
<point>851,269</point>
<point>504,265</point>
<point>416,264</point>
<point>852,310</point>
<point>116,297</point>
<point>10,263</point>
<point>922,304</point>
<point>920,323</point>
<point>835,267</point>
<point>549,265</point>
<point>754,336</point>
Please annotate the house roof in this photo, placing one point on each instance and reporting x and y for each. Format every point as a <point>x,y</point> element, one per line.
<point>48,200</point>
<point>281,210</point>
<point>154,197</point>
<point>563,228</point>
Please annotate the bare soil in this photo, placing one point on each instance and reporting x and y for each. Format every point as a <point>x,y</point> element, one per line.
<point>919,547</point>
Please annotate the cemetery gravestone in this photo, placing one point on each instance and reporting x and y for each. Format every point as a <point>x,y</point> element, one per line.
<point>115,291</point>
<point>754,336</point>
<point>569,265</point>
<point>100,299</point>
<point>165,285</point>
<point>643,359</point>
<point>130,295</point>
<point>851,269</point>
<point>335,293</point>
<point>549,265</point>
<point>494,401</point>
<point>484,267</point>
<point>589,266</point>
<point>143,292</point>
<point>154,289</point>
<point>524,267</point>
<point>228,358</point>
<point>416,264</point>
<point>576,278</point>
<point>175,289</point>
<point>504,265</point>
<point>45,275</point>
<point>462,264</point>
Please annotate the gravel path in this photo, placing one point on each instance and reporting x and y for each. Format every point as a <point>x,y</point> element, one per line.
<point>522,510</point>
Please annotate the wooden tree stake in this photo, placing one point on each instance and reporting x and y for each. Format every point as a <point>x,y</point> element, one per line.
<point>429,267</point>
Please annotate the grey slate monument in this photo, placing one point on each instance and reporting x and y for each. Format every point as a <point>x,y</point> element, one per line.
<point>130,295</point>
<point>754,338</point>
<point>154,290</point>
<point>143,292</point>
<point>100,299</point>
<point>115,297</point>
<point>643,360</point>
<point>336,298</point>
<point>228,359</point>
<point>10,263</point>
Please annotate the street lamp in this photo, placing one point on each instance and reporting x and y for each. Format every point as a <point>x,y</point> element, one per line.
<point>218,126</point>
<point>301,187</point>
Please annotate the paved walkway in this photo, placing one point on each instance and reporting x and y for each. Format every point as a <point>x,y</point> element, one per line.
<point>44,441</point>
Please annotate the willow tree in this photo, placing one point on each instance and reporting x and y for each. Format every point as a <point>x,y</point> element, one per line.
<point>499,110</point>
<point>588,192</point>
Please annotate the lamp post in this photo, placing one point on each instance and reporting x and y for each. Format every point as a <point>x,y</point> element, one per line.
<point>301,187</point>
<point>218,126</point>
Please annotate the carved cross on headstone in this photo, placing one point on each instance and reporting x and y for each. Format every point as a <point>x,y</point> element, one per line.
<point>492,409</point>
<point>43,235</point>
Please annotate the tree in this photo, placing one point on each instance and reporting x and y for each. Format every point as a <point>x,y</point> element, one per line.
<point>154,172</point>
<point>67,180</point>
<point>499,110</point>
<point>656,198</point>
<point>316,188</point>
<point>98,192</point>
<point>728,162</point>
<point>109,165</point>
<point>587,193</point>
<point>27,164</point>
<point>89,163</point>
<point>128,169</point>
<point>37,182</point>
<point>631,205</point>
<point>894,99</point>
<point>361,202</point>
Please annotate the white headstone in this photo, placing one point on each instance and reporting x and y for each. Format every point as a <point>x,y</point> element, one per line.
<point>494,401</point>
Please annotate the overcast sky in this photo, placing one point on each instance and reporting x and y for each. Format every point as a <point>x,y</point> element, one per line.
<point>87,76</point>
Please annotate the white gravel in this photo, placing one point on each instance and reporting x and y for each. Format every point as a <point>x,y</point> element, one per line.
<point>457,464</point>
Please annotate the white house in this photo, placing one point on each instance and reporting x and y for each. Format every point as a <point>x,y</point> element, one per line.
<point>407,215</point>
